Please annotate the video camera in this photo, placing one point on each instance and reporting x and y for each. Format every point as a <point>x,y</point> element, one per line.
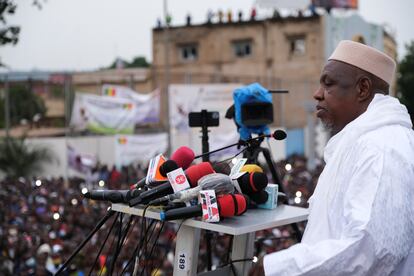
<point>252,110</point>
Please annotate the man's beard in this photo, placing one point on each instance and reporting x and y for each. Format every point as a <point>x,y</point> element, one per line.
<point>328,127</point>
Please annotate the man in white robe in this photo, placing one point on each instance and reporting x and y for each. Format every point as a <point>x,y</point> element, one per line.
<point>361,218</point>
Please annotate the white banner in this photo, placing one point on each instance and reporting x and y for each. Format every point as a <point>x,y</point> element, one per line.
<point>103,114</point>
<point>80,162</point>
<point>139,148</point>
<point>193,98</point>
<point>147,105</point>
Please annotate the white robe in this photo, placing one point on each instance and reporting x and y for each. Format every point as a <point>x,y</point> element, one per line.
<point>361,219</point>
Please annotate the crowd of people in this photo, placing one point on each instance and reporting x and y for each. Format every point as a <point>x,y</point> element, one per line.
<point>43,221</point>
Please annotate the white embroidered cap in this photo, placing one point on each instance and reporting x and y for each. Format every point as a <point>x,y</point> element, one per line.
<point>366,58</point>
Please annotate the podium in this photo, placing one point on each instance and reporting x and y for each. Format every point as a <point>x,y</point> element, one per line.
<point>242,227</point>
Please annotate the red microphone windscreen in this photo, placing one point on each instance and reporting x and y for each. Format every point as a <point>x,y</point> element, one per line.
<point>242,204</point>
<point>232,205</point>
<point>195,172</point>
<point>183,156</point>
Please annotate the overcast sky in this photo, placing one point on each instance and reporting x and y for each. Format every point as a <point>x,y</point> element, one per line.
<point>89,34</point>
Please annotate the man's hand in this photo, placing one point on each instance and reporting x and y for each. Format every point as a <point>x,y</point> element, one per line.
<point>257,269</point>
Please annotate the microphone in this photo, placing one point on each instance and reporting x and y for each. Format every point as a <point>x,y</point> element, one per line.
<point>221,167</point>
<point>181,158</point>
<point>114,196</point>
<point>251,183</point>
<point>184,156</point>
<point>168,166</point>
<point>251,168</point>
<point>260,197</point>
<point>229,205</point>
<point>220,183</point>
<point>193,173</point>
<point>279,134</point>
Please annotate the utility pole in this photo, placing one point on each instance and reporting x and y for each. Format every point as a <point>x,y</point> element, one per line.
<point>166,101</point>
<point>7,106</point>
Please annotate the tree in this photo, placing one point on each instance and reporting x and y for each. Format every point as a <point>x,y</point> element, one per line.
<point>19,159</point>
<point>137,62</point>
<point>405,79</point>
<point>9,34</point>
<point>24,104</point>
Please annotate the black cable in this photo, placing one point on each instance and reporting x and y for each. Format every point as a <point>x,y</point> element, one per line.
<point>109,213</point>
<point>144,237</point>
<point>128,230</point>
<point>170,240</point>
<point>155,242</point>
<point>135,219</point>
<point>144,245</point>
<point>137,248</point>
<point>103,244</point>
<point>231,264</point>
<point>110,248</point>
<point>120,232</point>
<point>125,233</point>
<point>241,260</point>
<point>135,253</point>
<point>116,253</point>
<point>122,237</point>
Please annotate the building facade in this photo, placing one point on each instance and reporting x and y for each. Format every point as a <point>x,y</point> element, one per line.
<point>280,53</point>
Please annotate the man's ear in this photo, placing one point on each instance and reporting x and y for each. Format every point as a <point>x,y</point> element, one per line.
<point>364,88</point>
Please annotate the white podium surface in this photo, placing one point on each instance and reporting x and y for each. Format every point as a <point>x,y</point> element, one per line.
<point>242,227</point>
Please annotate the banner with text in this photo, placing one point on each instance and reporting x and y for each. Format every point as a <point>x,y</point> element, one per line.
<point>184,99</point>
<point>147,105</point>
<point>103,114</point>
<point>139,148</point>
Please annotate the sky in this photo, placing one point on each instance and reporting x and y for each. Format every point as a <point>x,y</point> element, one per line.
<point>90,34</point>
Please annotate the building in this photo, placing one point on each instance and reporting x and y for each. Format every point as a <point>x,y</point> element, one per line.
<point>55,87</point>
<point>138,79</point>
<point>279,52</point>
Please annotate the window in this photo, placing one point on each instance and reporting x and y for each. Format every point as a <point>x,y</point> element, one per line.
<point>188,52</point>
<point>297,45</point>
<point>242,48</point>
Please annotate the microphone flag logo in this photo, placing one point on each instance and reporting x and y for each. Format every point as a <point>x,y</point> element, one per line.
<point>209,206</point>
<point>178,180</point>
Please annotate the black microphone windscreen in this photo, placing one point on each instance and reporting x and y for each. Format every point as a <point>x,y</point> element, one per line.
<point>259,197</point>
<point>221,167</point>
<point>279,134</point>
<point>252,182</point>
<point>168,166</point>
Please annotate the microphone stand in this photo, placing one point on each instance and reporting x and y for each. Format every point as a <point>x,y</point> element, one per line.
<point>252,155</point>
<point>206,158</point>
<point>109,214</point>
<point>242,143</point>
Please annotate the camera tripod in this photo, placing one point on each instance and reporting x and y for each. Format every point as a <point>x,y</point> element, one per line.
<point>252,154</point>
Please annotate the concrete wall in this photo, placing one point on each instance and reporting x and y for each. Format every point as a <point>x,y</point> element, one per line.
<point>271,63</point>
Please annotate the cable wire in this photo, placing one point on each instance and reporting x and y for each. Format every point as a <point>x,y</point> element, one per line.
<point>103,244</point>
